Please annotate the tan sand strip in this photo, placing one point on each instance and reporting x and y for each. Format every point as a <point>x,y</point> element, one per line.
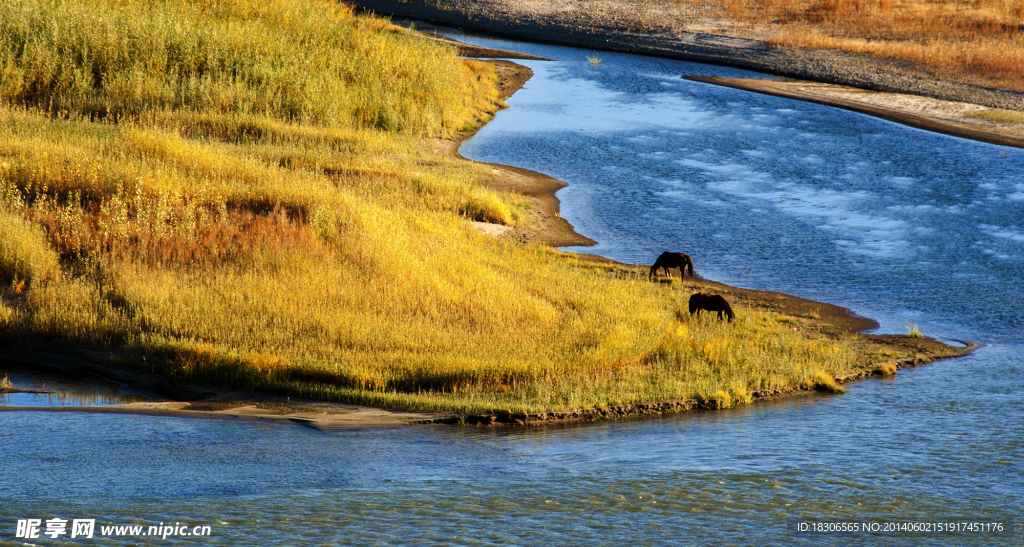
<point>947,117</point>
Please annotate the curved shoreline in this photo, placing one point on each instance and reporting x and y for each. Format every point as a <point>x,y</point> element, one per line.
<point>584,26</point>
<point>831,320</point>
<point>827,318</point>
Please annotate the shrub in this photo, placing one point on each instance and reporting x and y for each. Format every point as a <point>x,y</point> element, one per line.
<point>884,369</point>
<point>820,381</point>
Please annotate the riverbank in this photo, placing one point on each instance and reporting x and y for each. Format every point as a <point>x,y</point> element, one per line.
<point>697,32</point>
<point>197,401</point>
<point>692,32</point>
<point>959,119</point>
<point>882,355</point>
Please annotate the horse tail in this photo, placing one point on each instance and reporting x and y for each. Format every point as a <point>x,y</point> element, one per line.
<point>689,265</point>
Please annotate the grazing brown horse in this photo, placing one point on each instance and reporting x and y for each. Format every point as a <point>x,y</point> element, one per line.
<point>669,260</point>
<point>710,302</point>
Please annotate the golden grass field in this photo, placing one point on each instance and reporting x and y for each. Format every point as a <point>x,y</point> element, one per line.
<point>244,194</point>
<point>974,41</point>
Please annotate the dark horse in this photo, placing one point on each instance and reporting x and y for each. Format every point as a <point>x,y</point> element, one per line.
<point>710,302</point>
<point>669,260</point>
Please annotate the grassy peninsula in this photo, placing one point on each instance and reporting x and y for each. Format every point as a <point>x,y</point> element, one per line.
<point>245,194</point>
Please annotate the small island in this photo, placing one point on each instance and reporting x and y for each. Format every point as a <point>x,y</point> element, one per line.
<point>241,204</point>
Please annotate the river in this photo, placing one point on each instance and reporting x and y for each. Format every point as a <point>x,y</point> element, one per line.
<point>898,224</point>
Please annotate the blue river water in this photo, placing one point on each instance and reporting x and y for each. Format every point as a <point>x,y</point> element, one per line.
<point>53,388</point>
<point>898,224</point>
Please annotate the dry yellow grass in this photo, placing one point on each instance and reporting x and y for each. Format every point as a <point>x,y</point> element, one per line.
<point>822,381</point>
<point>25,254</point>
<point>884,369</point>
<point>998,116</point>
<point>976,41</point>
<point>177,183</point>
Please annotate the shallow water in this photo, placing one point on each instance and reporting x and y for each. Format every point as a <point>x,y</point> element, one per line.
<point>899,224</point>
<point>62,389</point>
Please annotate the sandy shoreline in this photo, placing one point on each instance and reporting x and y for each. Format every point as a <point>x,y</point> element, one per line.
<point>948,117</point>
<point>330,418</point>
<point>548,228</point>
